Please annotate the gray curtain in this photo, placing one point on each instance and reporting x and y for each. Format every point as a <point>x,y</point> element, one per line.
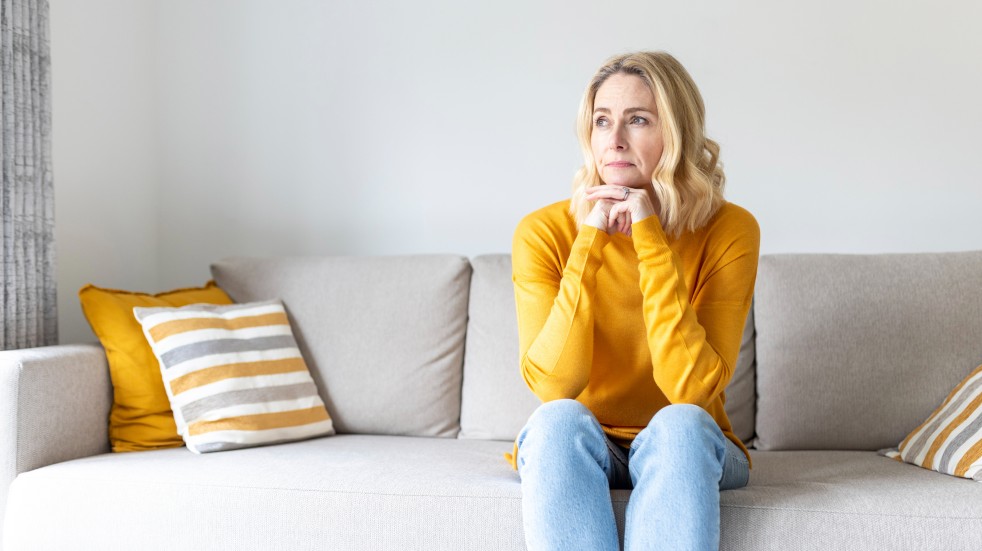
<point>28,311</point>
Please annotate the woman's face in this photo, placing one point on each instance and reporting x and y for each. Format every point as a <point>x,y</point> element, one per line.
<point>626,137</point>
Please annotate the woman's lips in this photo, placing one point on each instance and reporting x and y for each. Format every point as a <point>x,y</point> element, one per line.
<point>619,164</point>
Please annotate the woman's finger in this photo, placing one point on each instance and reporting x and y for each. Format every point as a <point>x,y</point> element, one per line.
<point>619,221</point>
<point>606,192</point>
<point>599,216</point>
<point>614,193</point>
<point>612,222</point>
<point>620,217</point>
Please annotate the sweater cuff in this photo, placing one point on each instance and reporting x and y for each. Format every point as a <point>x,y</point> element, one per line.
<point>650,241</point>
<point>587,253</point>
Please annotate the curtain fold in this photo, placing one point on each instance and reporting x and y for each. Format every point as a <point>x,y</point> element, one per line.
<point>28,308</point>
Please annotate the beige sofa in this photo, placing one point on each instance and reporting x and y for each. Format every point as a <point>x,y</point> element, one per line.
<point>416,359</point>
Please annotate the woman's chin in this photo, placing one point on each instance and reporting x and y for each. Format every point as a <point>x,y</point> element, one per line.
<point>624,178</point>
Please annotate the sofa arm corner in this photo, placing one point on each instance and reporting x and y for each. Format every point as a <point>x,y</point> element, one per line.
<point>54,406</point>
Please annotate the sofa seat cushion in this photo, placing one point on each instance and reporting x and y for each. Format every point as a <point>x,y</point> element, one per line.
<point>849,500</point>
<point>340,492</point>
<point>386,492</point>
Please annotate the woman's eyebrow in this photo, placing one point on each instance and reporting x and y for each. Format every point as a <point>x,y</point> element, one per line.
<point>626,111</point>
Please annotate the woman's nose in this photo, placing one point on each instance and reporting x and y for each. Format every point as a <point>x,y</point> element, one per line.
<point>617,141</point>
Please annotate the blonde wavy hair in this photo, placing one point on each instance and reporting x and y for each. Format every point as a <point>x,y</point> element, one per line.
<point>689,178</point>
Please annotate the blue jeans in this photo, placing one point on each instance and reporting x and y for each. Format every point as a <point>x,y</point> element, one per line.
<point>676,466</point>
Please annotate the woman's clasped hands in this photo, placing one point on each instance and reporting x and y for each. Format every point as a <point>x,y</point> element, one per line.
<point>617,207</point>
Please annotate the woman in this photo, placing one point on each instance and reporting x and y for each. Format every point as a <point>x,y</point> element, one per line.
<point>632,297</point>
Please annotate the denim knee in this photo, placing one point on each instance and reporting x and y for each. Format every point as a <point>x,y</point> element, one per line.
<point>681,429</point>
<point>559,427</point>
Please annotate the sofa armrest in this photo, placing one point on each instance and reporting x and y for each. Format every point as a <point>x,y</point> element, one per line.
<point>54,406</point>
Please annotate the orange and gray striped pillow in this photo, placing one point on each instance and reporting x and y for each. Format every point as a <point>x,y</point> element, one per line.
<point>234,375</point>
<point>950,440</point>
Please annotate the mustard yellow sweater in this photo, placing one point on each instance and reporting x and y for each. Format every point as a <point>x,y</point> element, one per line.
<point>628,325</point>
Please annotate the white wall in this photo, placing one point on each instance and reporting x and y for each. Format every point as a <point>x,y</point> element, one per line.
<point>342,127</point>
<point>104,112</point>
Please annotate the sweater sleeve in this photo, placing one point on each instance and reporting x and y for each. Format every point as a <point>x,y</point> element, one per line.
<point>694,346</point>
<point>555,319</point>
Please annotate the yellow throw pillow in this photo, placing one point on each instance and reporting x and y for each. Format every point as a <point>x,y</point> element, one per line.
<point>141,417</point>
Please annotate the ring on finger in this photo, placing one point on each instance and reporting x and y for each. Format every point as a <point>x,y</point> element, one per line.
<point>627,191</point>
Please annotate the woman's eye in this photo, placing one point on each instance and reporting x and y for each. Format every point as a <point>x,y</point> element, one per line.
<point>639,120</point>
<point>601,122</point>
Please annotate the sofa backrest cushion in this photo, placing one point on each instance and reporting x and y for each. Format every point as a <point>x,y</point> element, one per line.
<point>854,351</point>
<point>383,336</point>
<point>741,393</point>
<point>497,402</point>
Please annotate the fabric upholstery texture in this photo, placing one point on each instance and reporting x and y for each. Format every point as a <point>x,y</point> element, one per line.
<point>383,336</point>
<point>497,402</point>
<point>234,375</point>
<point>854,351</point>
<point>950,440</point>
<point>54,402</point>
<point>741,393</point>
<point>436,493</point>
<point>141,417</point>
<point>344,492</point>
<point>849,500</point>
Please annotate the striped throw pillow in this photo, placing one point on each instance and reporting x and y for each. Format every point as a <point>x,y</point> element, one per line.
<point>950,440</point>
<point>234,375</point>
